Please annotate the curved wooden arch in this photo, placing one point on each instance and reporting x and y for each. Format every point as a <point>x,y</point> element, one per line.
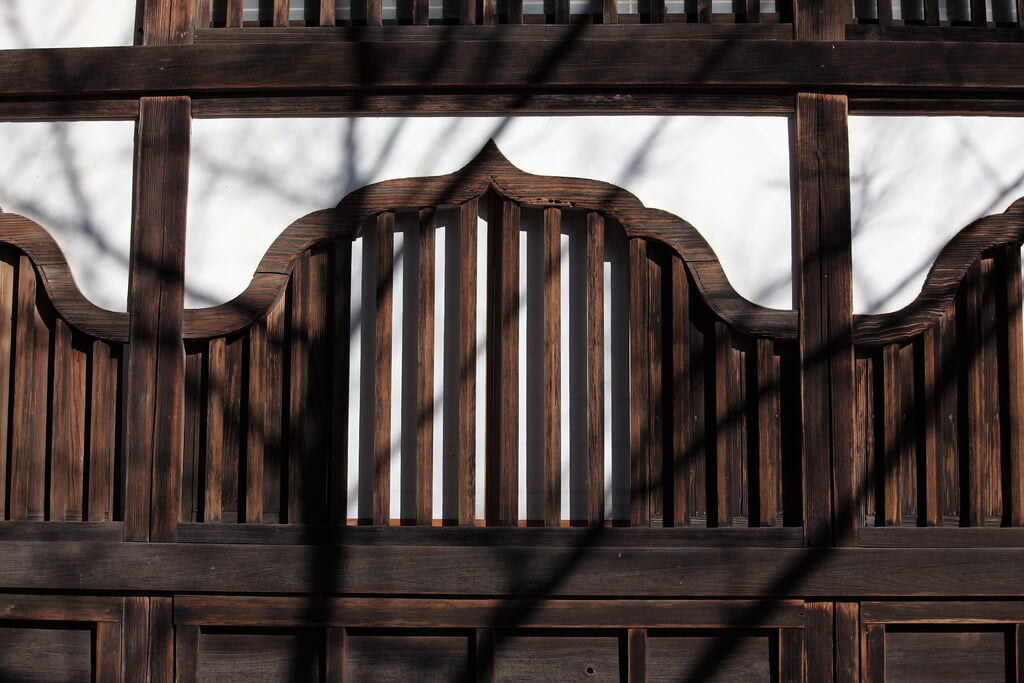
<point>943,279</point>
<point>491,170</point>
<point>44,252</point>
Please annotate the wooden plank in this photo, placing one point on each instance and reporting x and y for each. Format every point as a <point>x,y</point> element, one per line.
<point>551,412</point>
<point>971,331</point>
<point>421,12</point>
<point>232,462</point>
<point>792,656</point>
<point>382,369</point>
<point>945,612</point>
<point>595,368</point>
<point>483,648</point>
<point>103,401</point>
<point>8,305</point>
<point>682,422</point>
<point>819,640</point>
<point>337,492</point>
<point>656,367</point>
<point>1018,630</point>
<point>639,385</point>
<point>636,655</point>
<point>467,12</point>
<point>213,463</point>
<point>926,369</point>
<point>67,452</point>
<point>769,444</point>
<point>317,414</point>
<point>723,466</point>
<point>161,640</point>
<point>884,12</point>
<point>847,643</point>
<point>61,608</point>
<point>27,427</point>
<point>947,459</point>
<point>298,392</point>
<point>41,397</point>
<point>824,20</point>
<point>978,16</point>
<point>193,456</point>
<point>874,653</point>
<point>334,669</point>
<point>373,12</point>
<point>235,13</point>
<point>466,353</point>
<point>752,11</point>
<point>502,422</point>
<point>931,12</point>
<point>488,12</point>
<point>561,11</point>
<point>889,459</point>
<point>327,13</point>
<point>135,635</point>
<point>514,10</point>
<point>653,13</point>
<point>154,401</point>
<point>609,12</point>
<point>280,13</point>
<point>989,473</point>
<point>425,281</point>
<point>256,425</point>
<point>107,651</point>
<point>186,653</point>
<point>167,22</point>
<point>1012,384</point>
<point>274,496</point>
<point>825,302</point>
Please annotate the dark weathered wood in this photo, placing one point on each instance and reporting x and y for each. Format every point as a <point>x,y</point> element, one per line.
<point>609,12</point>
<point>488,12</point>
<point>847,642</point>
<point>927,373</point>
<point>186,653</point>
<point>467,12</point>
<point>884,12</point>
<point>483,648</point>
<point>213,462</point>
<point>636,655</point>
<point>40,408</point>
<point>167,22</point>
<point>931,12</point>
<point>373,12</point>
<point>972,336</point>
<point>106,661</point>
<point>234,13</point>
<point>103,388</point>
<point>203,16</point>
<point>978,17</point>
<point>1017,635</point>
<point>155,299</point>
<point>62,608</point>
<point>135,636</point>
<point>27,428</point>
<point>337,491</point>
<point>327,13</point>
<point>280,13</point>
<point>501,497</point>
<point>551,411</point>
<point>595,369</point>
<point>874,653</point>
<point>8,306</point>
<point>936,537</point>
<point>958,611</point>
<point>682,442</point>
<point>420,12</point>
<point>316,418</point>
<point>1011,350</point>
<point>825,20</point>
<point>769,445</point>
<point>639,385</point>
<point>659,443</point>
<point>561,11</point>
<point>67,450</point>
<point>792,657</point>
<point>466,354</point>
<point>889,460</point>
<point>274,464</point>
<point>161,640</point>
<point>425,368</point>
<point>819,640</point>
<point>299,399</point>
<point>725,450</point>
<point>256,425</point>
<point>823,293</point>
<point>382,369</point>
<point>514,11</point>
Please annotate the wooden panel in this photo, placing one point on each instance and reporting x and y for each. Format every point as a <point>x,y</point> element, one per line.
<point>214,459</point>
<point>636,656</point>
<point>337,467</point>
<point>891,427</point>
<point>680,393</point>
<point>259,656</point>
<point>327,13</point>
<point>257,400</point>
<point>27,427</point>
<point>161,640</point>
<point>425,368</point>
<point>397,657</point>
<point>945,656</point>
<point>1011,374</point>
<point>67,452</point>
<point>45,654</point>
<point>975,407</point>
<point>316,417</point>
<point>8,305</point>
<point>768,474</point>
<point>566,658</point>
<point>551,411</point>
<point>335,654</point>
<point>298,392</point>
<point>639,385</point>
<point>280,12</point>
<point>502,423</point>
<point>234,13</point>
<point>724,655</point>
<point>274,462</point>
<point>595,368</point>
<point>382,369</point>
<point>466,353</point>
<point>847,642</point>
<point>724,466</point>
<point>929,475</point>
<point>106,661</point>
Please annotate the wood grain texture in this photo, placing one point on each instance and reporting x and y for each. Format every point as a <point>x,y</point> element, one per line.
<point>8,306</point>
<point>335,655</point>
<point>639,385</point>
<point>299,399</point>
<point>1011,351</point>
<point>551,411</point>
<point>27,425</point>
<point>186,653</point>
<point>213,462</point>
<point>235,13</point>
<point>167,22</point>
<point>155,401</point>
<point>425,277</point>
<point>105,372</point>
<point>768,475</point>
<point>466,354</point>
<point>636,655</point>
<point>502,420</point>
<point>382,369</point>
<point>683,440</point>
<point>595,368</point>
<point>819,641</point>
<point>327,13</point>
<point>337,466</point>
<point>847,652</point>
<point>889,459</point>
<point>67,428</point>
<point>258,402</point>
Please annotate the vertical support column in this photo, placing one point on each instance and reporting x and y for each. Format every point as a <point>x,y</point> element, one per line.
<point>824,299</point>
<point>155,400</point>
<point>170,22</point>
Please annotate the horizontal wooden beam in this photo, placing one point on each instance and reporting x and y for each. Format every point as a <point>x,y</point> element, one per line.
<point>579,64</point>
<point>583,571</point>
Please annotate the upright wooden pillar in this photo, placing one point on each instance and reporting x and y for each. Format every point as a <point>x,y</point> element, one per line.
<point>155,392</point>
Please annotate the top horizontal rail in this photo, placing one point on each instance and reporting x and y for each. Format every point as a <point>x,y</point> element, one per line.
<point>575,64</point>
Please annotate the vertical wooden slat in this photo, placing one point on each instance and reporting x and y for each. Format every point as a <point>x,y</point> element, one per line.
<point>551,411</point>
<point>256,425</point>
<point>467,13</point>
<point>885,12</point>
<point>483,648</point>
<point>992,485</point>
<point>193,458</point>
<point>978,17</point>
<point>8,302</point>
<point>752,11</point>
<point>26,431</point>
<point>769,453</point>
<point>655,13</point>
<point>420,12</point>
<point>847,642</point>
<point>819,640</point>
<point>135,637</point>
<point>639,385</point>
<point>167,22</point>
<point>874,653</point>
<point>67,455</point>
<point>1011,374</point>
<point>231,461</point>
<point>161,642</point>
<point>334,669</point>
<point>929,474</point>
<point>203,17</point>
<point>186,654</point>
<point>338,465</point>
<point>703,11</point>
<point>316,417</point>
<point>1020,12</point>
<point>1018,641</point>
<point>947,391</point>
<point>488,12</point>
<point>234,13</point>
<point>609,11</point>
<point>466,353</point>
<point>327,14</point>
<point>655,360</point>
<point>425,368</point>
<point>682,421</point>
<point>561,11</point>
<point>215,411</point>
<point>865,453</point>
<point>382,369</point>
<point>515,11</point>
<point>41,398</point>
<point>274,450</point>
<point>910,410</point>
<point>374,13</point>
<point>502,424</point>
<point>595,369</point>
<point>824,299</point>
<point>889,459</point>
<point>103,400</point>
<point>298,390</point>
<point>107,653</point>
<point>155,400</point>
<point>636,649</point>
<point>931,12</point>
<point>720,504</point>
<point>972,332</point>
<point>280,17</point>
<point>792,656</point>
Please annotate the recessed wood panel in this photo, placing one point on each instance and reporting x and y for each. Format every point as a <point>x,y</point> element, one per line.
<point>397,657</point>
<point>935,656</point>
<point>723,655</point>
<point>248,656</point>
<point>556,658</point>
<point>45,654</point>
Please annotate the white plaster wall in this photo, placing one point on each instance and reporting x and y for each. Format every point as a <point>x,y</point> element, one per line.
<point>66,23</point>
